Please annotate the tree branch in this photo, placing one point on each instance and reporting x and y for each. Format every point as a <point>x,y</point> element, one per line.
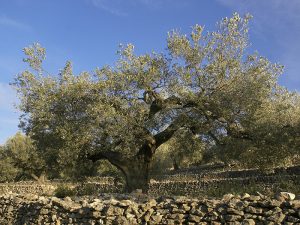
<point>114,158</point>
<point>166,134</point>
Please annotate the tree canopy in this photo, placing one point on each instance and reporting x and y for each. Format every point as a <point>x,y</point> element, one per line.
<point>205,87</point>
<point>21,160</point>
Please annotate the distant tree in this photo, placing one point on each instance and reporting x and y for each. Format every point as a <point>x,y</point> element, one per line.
<point>207,87</point>
<point>21,153</point>
<point>182,150</point>
<point>8,172</point>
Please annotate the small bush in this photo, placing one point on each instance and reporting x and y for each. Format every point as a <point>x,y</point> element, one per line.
<point>64,191</point>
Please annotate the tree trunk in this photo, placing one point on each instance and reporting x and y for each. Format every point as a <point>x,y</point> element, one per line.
<point>136,168</point>
<point>175,165</point>
<point>137,175</point>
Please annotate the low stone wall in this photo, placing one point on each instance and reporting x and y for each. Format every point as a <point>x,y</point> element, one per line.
<point>206,174</point>
<point>139,209</point>
<point>187,187</point>
<point>27,188</point>
<point>48,188</point>
<point>198,187</point>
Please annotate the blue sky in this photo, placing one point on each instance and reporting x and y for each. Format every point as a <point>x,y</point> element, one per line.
<point>88,32</point>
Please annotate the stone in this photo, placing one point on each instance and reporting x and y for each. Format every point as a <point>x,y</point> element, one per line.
<point>113,210</point>
<point>275,203</point>
<point>254,198</point>
<point>152,202</point>
<point>147,216</point>
<point>295,204</point>
<point>277,218</point>
<point>227,197</point>
<point>245,196</point>
<point>194,218</point>
<point>156,218</point>
<point>233,223</point>
<point>240,205</point>
<point>185,207</point>
<point>215,223</point>
<point>68,199</point>
<point>232,218</point>
<point>254,210</point>
<point>120,220</point>
<point>285,196</point>
<point>44,211</point>
<point>197,212</point>
<point>234,211</point>
<point>125,203</point>
<point>248,222</point>
<point>54,218</point>
<point>292,219</point>
<point>96,214</point>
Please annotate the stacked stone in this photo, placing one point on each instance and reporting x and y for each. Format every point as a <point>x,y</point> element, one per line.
<point>139,209</point>
<point>199,187</point>
<point>26,188</point>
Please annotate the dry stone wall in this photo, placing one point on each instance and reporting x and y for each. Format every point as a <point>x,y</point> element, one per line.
<point>198,187</point>
<point>140,209</point>
<point>187,182</point>
<point>27,188</point>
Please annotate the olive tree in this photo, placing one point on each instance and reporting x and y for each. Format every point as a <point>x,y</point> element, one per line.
<point>21,154</point>
<point>205,85</point>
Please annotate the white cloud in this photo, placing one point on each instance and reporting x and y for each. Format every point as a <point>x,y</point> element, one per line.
<point>9,22</point>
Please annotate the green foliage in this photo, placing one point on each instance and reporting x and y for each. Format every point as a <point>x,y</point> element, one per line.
<point>63,191</point>
<point>19,159</point>
<point>183,150</point>
<point>207,89</point>
<point>105,168</point>
<point>8,172</point>
<point>21,152</point>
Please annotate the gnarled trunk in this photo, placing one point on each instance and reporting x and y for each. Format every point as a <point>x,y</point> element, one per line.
<point>137,175</point>
<point>136,168</point>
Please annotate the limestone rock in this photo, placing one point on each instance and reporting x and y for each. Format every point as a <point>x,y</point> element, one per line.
<point>235,211</point>
<point>194,218</point>
<point>285,196</point>
<point>227,197</point>
<point>248,222</point>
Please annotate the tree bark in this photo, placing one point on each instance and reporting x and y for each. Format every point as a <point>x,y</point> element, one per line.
<point>135,169</point>
<point>137,175</point>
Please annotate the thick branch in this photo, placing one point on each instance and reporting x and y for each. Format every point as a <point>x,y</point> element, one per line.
<point>157,103</point>
<point>114,158</point>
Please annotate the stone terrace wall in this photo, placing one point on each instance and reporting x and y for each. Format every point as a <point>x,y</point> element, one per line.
<point>27,188</point>
<point>192,187</point>
<point>48,188</point>
<point>198,187</point>
<point>32,209</point>
<point>187,182</point>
